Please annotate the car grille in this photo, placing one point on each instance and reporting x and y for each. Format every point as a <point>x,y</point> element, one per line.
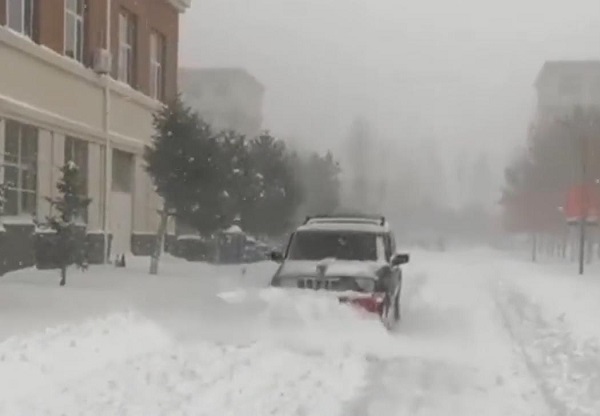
<point>330,283</point>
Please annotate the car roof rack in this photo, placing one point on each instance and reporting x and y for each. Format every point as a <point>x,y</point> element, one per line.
<point>347,218</point>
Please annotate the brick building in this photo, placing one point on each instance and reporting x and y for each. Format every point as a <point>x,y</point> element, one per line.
<point>76,85</point>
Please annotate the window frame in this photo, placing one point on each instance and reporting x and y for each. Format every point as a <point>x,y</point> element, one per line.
<point>26,25</point>
<point>157,65</point>
<point>78,29</point>
<point>22,165</point>
<point>127,47</point>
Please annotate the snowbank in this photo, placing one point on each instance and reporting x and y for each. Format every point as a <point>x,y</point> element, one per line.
<point>34,364</point>
<point>216,340</point>
<point>126,365</point>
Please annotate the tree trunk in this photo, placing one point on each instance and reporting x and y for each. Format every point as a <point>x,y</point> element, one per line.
<point>589,248</point>
<point>160,242</point>
<point>63,276</point>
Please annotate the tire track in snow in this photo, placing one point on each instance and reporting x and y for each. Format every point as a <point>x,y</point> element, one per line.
<point>453,356</point>
<point>556,407</point>
<point>418,386</point>
<point>567,372</point>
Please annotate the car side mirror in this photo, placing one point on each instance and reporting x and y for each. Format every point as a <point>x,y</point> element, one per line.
<point>277,256</point>
<point>400,259</point>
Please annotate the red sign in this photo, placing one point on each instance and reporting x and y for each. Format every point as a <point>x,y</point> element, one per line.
<point>583,200</point>
<point>534,211</point>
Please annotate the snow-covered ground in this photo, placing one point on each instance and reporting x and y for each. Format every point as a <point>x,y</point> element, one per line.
<point>482,334</point>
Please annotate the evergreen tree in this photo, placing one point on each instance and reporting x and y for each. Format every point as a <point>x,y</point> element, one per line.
<point>70,205</point>
<point>244,184</point>
<point>168,162</point>
<point>270,211</point>
<point>193,170</point>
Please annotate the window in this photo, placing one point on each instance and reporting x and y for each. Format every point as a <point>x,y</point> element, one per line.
<point>20,168</point>
<point>342,245</point>
<point>127,33</point>
<point>19,16</point>
<point>74,10</point>
<point>157,67</point>
<point>122,171</point>
<point>76,150</point>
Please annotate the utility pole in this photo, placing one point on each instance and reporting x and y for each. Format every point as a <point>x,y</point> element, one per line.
<point>584,203</point>
<point>108,149</point>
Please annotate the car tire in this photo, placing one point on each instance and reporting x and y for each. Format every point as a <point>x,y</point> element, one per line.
<point>391,313</point>
<point>397,312</point>
<point>386,313</point>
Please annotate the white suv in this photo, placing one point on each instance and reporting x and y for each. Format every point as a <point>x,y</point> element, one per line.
<point>353,255</point>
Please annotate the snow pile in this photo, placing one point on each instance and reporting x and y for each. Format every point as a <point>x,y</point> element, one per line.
<point>35,363</point>
<point>125,365</point>
<point>317,321</point>
<point>312,321</point>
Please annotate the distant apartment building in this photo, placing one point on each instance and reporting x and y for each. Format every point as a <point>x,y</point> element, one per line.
<point>80,80</point>
<point>563,85</point>
<point>227,98</point>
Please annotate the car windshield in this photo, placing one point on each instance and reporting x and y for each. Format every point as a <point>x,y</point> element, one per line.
<point>317,245</point>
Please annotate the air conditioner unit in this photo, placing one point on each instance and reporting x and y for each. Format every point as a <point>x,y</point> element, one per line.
<point>102,61</point>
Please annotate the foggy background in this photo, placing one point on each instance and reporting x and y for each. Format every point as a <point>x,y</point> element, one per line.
<point>454,76</point>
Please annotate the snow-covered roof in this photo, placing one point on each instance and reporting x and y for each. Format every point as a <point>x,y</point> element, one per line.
<point>189,237</point>
<point>359,227</point>
<point>351,220</point>
<point>234,229</point>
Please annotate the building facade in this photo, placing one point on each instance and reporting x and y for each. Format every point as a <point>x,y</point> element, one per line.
<point>563,85</point>
<point>80,80</point>
<point>227,98</point>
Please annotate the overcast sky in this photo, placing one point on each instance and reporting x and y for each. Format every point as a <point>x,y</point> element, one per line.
<point>459,71</point>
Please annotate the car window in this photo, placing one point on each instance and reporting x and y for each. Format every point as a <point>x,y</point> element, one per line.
<point>287,248</point>
<point>382,248</point>
<point>389,251</point>
<point>318,245</point>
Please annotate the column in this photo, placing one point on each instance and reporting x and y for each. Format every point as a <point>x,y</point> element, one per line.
<point>95,187</point>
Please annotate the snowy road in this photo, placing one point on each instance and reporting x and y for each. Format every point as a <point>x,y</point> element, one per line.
<point>204,340</point>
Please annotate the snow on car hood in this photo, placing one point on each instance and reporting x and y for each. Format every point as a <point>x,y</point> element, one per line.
<point>351,268</point>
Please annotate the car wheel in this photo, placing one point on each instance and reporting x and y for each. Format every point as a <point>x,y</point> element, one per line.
<point>389,313</point>
<point>397,313</point>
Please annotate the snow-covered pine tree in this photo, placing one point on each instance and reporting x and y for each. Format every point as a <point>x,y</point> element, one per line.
<point>69,205</point>
<point>168,159</point>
